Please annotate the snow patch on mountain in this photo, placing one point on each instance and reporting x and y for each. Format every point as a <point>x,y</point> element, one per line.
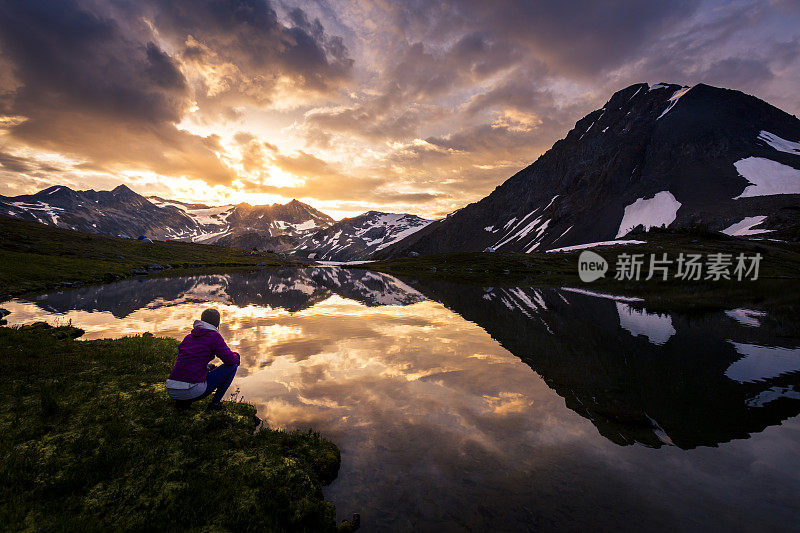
<point>762,362</point>
<point>593,244</point>
<point>743,227</point>
<point>674,99</point>
<point>38,208</point>
<point>660,210</point>
<point>746,317</point>
<point>210,215</point>
<point>656,327</point>
<point>360,237</point>
<point>614,297</point>
<point>767,177</point>
<point>772,394</point>
<point>780,144</point>
<point>518,232</point>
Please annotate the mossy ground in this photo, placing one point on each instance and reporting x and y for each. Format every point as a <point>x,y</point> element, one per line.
<point>35,257</point>
<point>89,442</point>
<point>779,274</point>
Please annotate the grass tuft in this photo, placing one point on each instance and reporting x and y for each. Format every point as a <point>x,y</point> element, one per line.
<point>89,441</point>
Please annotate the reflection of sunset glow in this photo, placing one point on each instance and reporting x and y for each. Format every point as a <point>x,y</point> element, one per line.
<point>425,406</point>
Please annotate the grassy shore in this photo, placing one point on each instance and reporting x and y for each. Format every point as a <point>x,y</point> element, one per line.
<point>35,258</point>
<point>778,278</point>
<point>90,442</point>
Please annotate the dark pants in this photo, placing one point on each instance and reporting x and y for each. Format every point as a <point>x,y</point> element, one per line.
<point>219,379</point>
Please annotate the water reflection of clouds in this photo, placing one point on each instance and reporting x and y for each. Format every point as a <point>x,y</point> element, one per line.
<point>412,391</point>
<point>441,427</point>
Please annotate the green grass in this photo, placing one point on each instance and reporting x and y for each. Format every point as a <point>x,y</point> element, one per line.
<point>90,442</point>
<point>778,276</point>
<point>35,257</point>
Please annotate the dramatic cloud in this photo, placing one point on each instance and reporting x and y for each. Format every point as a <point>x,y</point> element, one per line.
<point>94,82</point>
<point>350,105</point>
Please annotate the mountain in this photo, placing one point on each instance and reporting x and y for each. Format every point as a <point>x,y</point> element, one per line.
<point>117,212</point>
<point>635,374</point>
<point>292,289</point>
<point>125,213</point>
<point>359,237</point>
<point>661,155</point>
<point>276,226</point>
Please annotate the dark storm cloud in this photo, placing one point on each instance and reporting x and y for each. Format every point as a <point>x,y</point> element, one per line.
<point>518,91</point>
<point>415,78</point>
<point>247,37</point>
<point>90,89</point>
<point>15,163</point>
<point>69,57</point>
<point>737,72</point>
<point>581,37</point>
<point>90,79</point>
<point>452,46</point>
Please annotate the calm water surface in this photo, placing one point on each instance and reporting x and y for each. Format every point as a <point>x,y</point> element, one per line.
<point>504,409</point>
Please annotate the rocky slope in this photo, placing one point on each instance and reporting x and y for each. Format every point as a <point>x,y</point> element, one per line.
<point>662,155</point>
<point>122,212</point>
<point>359,237</point>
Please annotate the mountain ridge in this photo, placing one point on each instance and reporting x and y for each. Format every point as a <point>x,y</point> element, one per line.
<point>652,155</point>
<point>276,227</point>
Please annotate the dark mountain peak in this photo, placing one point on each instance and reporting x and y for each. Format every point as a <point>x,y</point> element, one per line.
<point>55,190</point>
<point>656,155</point>
<point>123,190</point>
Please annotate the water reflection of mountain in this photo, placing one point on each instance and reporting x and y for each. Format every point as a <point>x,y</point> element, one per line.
<point>696,380</point>
<point>643,377</point>
<point>291,289</point>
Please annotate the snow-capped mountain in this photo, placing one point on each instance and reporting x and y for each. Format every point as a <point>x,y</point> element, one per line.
<point>359,237</point>
<point>123,212</point>
<point>293,289</point>
<point>276,226</point>
<point>661,155</point>
<point>117,212</point>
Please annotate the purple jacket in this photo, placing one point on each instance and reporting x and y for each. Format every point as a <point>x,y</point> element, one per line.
<point>197,350</point>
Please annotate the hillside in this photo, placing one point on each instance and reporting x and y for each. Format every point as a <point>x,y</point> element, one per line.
<point>37,257</point>
<point>662,155</point>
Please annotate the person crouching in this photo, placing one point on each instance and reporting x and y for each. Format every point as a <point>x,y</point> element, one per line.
<point>192,377</point>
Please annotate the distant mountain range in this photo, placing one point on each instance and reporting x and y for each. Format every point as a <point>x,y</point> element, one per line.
<point>294,226</point>
<point>661,155</point>
<point>360,237</point>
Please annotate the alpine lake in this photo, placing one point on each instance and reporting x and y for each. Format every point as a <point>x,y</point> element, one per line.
<point>461,407</point>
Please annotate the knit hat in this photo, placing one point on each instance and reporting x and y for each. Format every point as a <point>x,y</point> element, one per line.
<point>211,316</point>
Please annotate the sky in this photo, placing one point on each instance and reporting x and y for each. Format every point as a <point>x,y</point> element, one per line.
<point>349,105</point>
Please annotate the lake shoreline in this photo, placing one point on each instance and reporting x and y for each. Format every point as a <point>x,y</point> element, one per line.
<point>778,275</point>
<point>90,437</point>
<point>37,258</point>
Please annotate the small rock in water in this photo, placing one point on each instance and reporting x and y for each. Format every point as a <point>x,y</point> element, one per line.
<point>4,312</point>
<point>138,272</point>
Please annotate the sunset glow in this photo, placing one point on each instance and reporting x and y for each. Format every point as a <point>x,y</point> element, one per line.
<point>348,106</point>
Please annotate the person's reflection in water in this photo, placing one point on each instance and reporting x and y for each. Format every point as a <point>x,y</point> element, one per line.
<point>193,377</point>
